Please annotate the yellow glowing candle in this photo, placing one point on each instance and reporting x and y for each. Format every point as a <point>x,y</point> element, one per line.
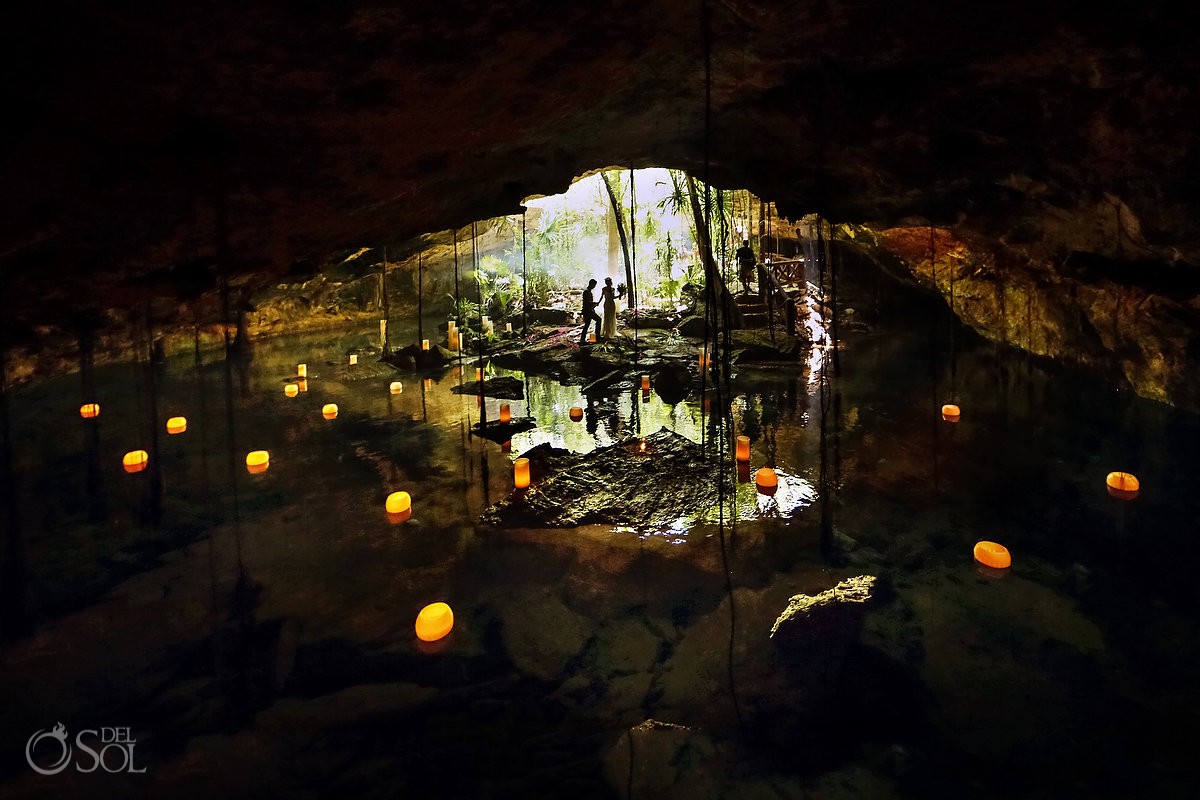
<point>353,359</point>
<point>1123,485</point>
<point>478,374</point>
<point>592,338</point>
<point>89,410</point>
<point>291,390</point>
<point>302,370</point>
<point>176,425</point>
<point>505,412</point>
<point>424,344</point>
<point>743,448</point>
<point>398,502</point>
<point>257,461</point>
<point>434,622</point>
<point>576,413</point>
<point>396,387</point>
<point>521,473</point>
<point>302,384</point>
<point>993,555</point>
<point>645,383</point>
<point>951,412</point>
<point>329,411</point>
<point>766,480</point>
<point>452,341</point>
<point>508,327</point>
<point>428,383</point>
<point>135,460</point>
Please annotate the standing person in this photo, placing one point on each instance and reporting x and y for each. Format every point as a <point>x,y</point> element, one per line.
<point>608,330</point>
<point>589,311</point>
<point>746,261</point>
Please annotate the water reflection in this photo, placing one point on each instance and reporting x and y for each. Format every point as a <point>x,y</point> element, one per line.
<point>298,593</point>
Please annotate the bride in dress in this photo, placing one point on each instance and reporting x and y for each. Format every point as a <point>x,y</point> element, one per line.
<point>608,328</point>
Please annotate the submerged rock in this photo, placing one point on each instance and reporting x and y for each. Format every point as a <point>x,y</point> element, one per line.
<point>622,484</point>
<point>541,635</point>
<point>834,615</point>
<point>668,760</point>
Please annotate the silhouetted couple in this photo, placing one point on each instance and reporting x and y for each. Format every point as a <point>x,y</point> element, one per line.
<point>607,328</point>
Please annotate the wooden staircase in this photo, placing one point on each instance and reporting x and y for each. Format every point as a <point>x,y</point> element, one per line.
<point>755,313</point>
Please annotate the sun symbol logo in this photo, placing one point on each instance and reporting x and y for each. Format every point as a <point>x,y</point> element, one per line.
<point>59,734</point>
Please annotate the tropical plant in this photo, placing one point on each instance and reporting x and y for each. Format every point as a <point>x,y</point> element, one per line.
<point>538,285</point>
<point>498,291</point>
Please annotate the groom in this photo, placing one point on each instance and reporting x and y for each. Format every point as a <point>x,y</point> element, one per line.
<point>589,311</point>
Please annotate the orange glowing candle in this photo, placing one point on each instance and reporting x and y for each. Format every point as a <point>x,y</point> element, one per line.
<point>576,413</point>
<point>994,555</point>
<point>176,425</point>
<point>257,461</point>
<point>521,473</point>
<point>766,481</point>
<point>505,413</point>
<point>291,390</point>
<point>396,387</point>
<point>743,448</point>
<point>951,412</point>
<point>434,622</point>
<point>89,410</point>
<point>1123,485</point>
<point>329,411</point>
<point>135,460</point>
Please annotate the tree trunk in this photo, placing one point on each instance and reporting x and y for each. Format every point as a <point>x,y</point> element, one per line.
<point>614,247</point>
<point>616,207</point>
<point>704,245</point>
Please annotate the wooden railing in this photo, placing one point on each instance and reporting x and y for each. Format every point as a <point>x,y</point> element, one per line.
<point>789,272</point>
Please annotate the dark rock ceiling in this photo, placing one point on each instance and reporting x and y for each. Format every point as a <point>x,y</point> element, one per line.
<point>145,143</point>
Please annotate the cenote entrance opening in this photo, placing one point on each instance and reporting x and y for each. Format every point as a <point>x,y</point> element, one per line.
<point>259,605</point>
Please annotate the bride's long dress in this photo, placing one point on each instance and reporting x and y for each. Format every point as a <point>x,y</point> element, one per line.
<point>608,328</point>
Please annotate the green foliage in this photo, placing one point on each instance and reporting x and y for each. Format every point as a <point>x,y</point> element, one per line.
<point>498,288</point>
<point>538,287</point>
<point>668,290</point>
<point>466,309</point>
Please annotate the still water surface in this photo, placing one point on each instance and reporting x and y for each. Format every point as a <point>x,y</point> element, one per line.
<point>255,631</point>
